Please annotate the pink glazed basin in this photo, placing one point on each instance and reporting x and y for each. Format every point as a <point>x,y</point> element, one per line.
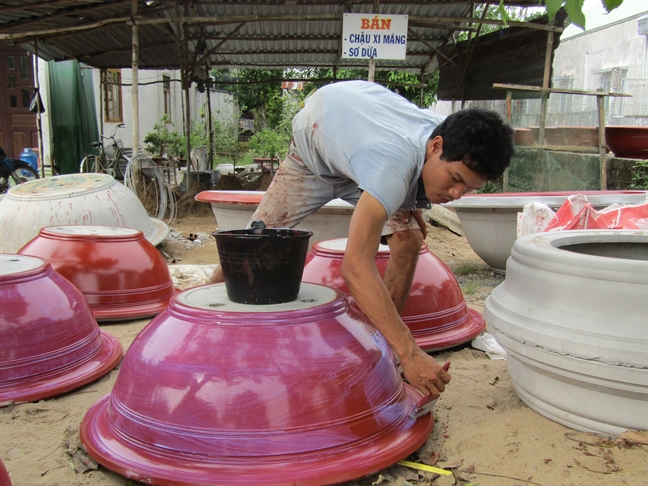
<point>122,275</point>
<point>435,311</point>
<point>50,342</point>
<point>215,392</point>
<point>5,480</point>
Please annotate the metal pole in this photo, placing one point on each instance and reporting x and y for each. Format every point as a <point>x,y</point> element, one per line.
<point>135,82</point>
<point>38,113</point>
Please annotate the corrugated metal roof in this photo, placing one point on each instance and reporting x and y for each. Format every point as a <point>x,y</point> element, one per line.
<point>236,33</point>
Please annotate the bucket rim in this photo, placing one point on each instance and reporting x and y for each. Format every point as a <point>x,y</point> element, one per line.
<point>262,232</point>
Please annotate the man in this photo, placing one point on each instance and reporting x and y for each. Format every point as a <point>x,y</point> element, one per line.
<point>360,142</point>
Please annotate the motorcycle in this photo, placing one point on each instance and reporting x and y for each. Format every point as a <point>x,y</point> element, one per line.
<point>14,172</point>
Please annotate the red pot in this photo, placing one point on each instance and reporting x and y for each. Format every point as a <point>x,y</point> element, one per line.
<point>122,275</point>
<point>435,311</point>
<point>215,392</point>
<point>50,342</point>
<point>627,141</point>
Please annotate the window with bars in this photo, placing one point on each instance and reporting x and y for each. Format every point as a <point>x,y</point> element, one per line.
<point>166,87</point>
<point>113,95</point>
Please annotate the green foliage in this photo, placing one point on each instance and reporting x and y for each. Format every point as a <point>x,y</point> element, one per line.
<point>574,9</point>
<point>640,175</point>
<point>256,91</point>
<point>273,140</point>
<point>163,141</point>
<point>407,84</point>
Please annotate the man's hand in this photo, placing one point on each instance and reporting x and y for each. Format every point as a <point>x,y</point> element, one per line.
<point>417,214</point>
<point>424,373</point>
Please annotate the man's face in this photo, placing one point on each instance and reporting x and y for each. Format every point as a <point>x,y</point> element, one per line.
<point>446,181</point>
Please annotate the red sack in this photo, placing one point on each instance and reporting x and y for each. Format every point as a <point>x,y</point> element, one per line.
<point>575,213</point>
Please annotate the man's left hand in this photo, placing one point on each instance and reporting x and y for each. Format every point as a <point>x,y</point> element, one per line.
<point>417,214</point>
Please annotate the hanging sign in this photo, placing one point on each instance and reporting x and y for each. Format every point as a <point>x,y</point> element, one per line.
<point>371,36</point>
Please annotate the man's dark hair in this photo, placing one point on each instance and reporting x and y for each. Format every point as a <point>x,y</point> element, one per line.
<point>479,138</point>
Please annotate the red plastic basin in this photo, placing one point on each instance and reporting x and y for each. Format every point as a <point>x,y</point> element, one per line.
<point>50,342</point>
<point>435,311</point>
<point>122,275</point>
<point>215,392</point>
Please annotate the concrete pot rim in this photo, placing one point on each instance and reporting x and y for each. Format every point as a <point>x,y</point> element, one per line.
<point>547,251</point>
<point>517,200</point>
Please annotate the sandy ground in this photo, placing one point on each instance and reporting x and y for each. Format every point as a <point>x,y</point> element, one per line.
<point>483,432</point>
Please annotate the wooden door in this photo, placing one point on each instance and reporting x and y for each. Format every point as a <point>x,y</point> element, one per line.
<point>17,124</point>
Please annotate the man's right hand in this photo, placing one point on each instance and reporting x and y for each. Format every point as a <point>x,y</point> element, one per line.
<point>424,373</point>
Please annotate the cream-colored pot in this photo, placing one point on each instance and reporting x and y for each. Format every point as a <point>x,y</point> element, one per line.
<point>572,313</point>
<point>75,199</point>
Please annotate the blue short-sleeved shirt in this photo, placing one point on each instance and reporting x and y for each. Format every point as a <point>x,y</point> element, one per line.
<point>361,133</point>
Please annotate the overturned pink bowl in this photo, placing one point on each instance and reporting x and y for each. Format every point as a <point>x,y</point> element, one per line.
<point>215,392</point>
<point>122,275</point>
<point>435,311</point>
<point>50,342</point>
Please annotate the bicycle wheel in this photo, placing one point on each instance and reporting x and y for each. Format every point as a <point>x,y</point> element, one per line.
<point>89,164</point>
<point>19,176</point>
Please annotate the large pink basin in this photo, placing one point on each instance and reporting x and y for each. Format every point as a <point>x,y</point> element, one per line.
<point>50,342</point>
<point>435,311</point>
<point>122,275</point>
<point>214,392</point>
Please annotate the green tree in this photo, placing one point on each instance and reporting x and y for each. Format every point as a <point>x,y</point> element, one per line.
<point>406,83</point>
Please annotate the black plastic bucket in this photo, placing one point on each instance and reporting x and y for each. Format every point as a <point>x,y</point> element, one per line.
<point>262,266</point>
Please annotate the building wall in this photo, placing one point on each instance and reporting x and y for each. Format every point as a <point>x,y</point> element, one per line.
<point>613,58</point>
<point>151,105</point>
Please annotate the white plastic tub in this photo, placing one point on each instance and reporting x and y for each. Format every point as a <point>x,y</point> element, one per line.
<point>572,315</point>
<point>75,199</point>
<point>490,220</point>
<point>233,210</point>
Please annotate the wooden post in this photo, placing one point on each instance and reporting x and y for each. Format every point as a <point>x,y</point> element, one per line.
<point>600,103</point>
<point>135,83</point>
<point>545,85</point>
<point>209,119</point>
<point>505,176</point>
<point>372,61</point>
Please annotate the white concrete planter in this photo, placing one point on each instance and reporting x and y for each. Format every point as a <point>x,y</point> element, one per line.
<point>74,199</point>
<point>233,210</point>
<point>572,314</point>
<point>490,220</point>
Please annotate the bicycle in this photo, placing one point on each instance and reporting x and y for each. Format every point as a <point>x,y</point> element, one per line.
<point>110,159</point>
<point>14,172</point>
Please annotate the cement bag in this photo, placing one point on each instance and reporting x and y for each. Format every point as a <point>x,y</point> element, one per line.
<point>576,213</point>
<point>534,218</point>
<point>624,216</point>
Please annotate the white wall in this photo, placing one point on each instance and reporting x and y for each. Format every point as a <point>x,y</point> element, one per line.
<point>151,105</point>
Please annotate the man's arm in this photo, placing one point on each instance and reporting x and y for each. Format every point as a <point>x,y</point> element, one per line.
<point>369,291</point>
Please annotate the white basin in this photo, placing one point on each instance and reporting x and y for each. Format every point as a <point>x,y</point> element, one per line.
<point>74,199</point>
<point>233,210</point>
<point>490,220</point>
<point>572,314</point>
